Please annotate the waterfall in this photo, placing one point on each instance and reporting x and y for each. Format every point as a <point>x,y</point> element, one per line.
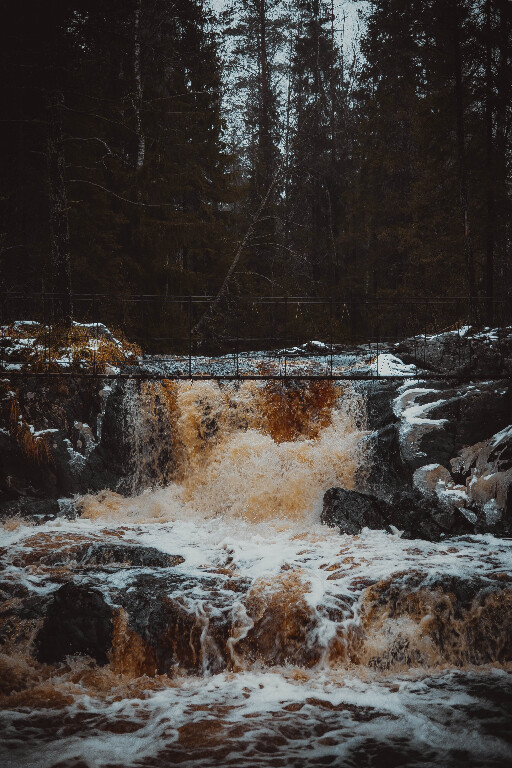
<point>204,616</point>
<point>257,451</point>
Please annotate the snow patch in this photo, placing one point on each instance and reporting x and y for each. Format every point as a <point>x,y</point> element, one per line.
<point>387,364</point>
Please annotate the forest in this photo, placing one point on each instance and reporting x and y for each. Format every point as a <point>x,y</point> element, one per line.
<point>256,384</point>
<point>257,148</point>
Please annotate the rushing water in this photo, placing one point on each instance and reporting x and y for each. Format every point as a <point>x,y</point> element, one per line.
<point>268,640</point>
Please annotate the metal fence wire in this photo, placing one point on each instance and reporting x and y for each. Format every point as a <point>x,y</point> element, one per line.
<point>283,332</point>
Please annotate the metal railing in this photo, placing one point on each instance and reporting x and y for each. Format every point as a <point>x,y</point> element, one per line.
<point>294,337</point>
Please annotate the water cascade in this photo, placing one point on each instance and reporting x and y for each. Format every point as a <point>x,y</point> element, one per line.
<point>208,618</point>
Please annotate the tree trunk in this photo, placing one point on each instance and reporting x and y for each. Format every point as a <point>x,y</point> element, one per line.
<point>502,143</point>
<point>489,152</point>
<point>461,155</point>
<point>137,102</point>
<point>58,214</point>
<point>265,137</point>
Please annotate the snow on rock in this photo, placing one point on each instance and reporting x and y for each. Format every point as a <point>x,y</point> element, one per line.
<point>25,343</point>
<point>492,512</point>
<point>486,351</point>
<point>387,364</point>
<point>503,435</point>
<point>415,421</point>
<point>427,478</point>
<point>97,330</point>
<point>486,468</point>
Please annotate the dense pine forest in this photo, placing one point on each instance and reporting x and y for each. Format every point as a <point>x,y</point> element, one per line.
<point>263,147</point>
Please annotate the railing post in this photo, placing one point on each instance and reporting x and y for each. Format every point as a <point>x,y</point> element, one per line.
<point>43,299</point>
<point>331,330</point>
<point>377,329</point>
<point>95,313</point>
<point>50,320</point>
<point>237,310</point>
<point>425,336</point>
<point>142,320</point>
<point>3,361</point>
<point>458,335</point>
<point>190,336</point>
<point>285,329</point>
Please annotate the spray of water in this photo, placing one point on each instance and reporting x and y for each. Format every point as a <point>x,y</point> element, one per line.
<point>253,451</point>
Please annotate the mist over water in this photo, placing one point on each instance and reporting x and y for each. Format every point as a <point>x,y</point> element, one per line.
<point>267,639</point>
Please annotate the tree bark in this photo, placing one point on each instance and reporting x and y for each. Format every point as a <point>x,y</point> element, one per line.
<point>489,151</point>
<point>461,154</point>
<point>137,102</point>
<point>265,137</point>
<point>60,260</point>
<point>503,97</point>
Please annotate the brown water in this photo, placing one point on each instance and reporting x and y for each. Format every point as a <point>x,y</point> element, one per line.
<point>268,640</point>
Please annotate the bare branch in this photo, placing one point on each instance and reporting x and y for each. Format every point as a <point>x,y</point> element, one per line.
<point>120,197</point>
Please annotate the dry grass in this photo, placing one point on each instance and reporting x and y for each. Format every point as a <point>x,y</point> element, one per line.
<point>34,448</point>
<point>38,347</point>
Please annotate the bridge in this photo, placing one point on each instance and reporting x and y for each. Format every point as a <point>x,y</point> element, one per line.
<point>251,337</point>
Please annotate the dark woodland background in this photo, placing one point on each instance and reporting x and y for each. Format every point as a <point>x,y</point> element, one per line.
<point>152,147</point>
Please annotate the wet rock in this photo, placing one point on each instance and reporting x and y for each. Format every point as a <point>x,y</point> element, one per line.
<point>179,633</point>
<point>424,517</point>
<point>33,509</point>
<point>451,619</point>
<point>410,511</point>
<point>351,511</point>
<point>426,478</point>
<point>133,556</point>
<point>383,472</point>
<point>484,410</point>
<point>111,556</point>
<point>68,465</point>
<point>78,622</point>
<point>437,421</point>
<point>18,476</point>
<point>83,424</point>
<point>486,470</point>
<point>136,442</point>
<point>21,617</point>
<point>114,448</point>
<point>379,396</point>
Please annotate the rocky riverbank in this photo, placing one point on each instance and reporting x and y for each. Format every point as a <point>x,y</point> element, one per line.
<point>169,594</point>
<point>438,451</point>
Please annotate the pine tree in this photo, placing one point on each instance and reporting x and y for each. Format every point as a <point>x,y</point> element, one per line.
<point>257,28</point>
<point>319,157</point>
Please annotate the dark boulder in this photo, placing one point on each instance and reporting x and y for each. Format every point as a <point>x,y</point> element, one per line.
<point>484,410</point>
<point>34,510</point>
<point>131,555</point>
<point>383,472</point>
<point>410,511</point>
<point>171,627</point>
<point>78,621</point>
<point>422,516</point>
<point>351,511</point>
<point>437,421</point>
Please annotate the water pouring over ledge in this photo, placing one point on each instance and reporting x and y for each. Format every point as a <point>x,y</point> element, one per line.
<point>224,625</point>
